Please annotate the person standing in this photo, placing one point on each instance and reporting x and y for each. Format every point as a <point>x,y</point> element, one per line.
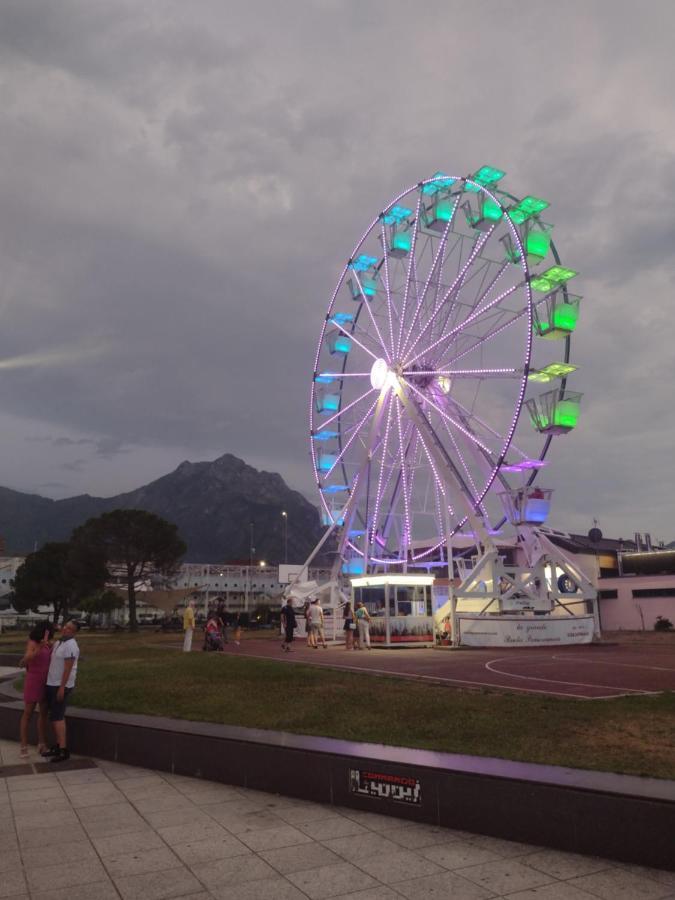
<point>316,624</point>
<point>349,626</point>
<point>289,624</point>
<point>188,626</point>
<point>60,683</point>
<point>36,660</point>
<point>363,623</point>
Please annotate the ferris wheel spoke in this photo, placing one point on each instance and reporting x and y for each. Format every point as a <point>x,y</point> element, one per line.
<point>471,416</point>
<point>366,303</point>
<point>387,286</point>
<point>356,429</point>
<point>487,337</point>
<point>438,256</point>
<point>454,287</point>
<point>439,480</point>
<point>352,337</point>
<point>378,492</point>
<point>411,258</point>
<point>465,373</point>
<point>445,415</point>
<point>342,412</point>
<point>467,470</point>
<point>482,293</point>
<point>463,325</point>
<point>407,533</point>
<point>394,468</point>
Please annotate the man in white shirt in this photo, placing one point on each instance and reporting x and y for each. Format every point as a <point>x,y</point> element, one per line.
<point>315,618</point>
<point>60,683</point>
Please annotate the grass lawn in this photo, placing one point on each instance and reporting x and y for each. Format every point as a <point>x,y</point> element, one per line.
<point>141,674</point>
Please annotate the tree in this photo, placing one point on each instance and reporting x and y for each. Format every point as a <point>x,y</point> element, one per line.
<point>102,603</point>
<point>59,575</point>
<point>137,541</point>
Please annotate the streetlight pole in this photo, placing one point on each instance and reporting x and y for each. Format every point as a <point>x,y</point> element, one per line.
<point>285,515</point>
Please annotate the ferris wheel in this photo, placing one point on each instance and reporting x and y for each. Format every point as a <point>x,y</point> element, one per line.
<point>441,371</point>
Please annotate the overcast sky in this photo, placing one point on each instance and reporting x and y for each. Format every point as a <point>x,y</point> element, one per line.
<point>180,184</point>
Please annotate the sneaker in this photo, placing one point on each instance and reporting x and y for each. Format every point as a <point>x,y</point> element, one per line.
<point>52,751</point>
<point>61,755</point>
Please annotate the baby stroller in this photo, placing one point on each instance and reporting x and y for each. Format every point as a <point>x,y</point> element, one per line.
<point>213,639</point>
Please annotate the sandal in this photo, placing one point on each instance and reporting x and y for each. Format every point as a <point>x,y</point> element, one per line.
<point>23,753</point>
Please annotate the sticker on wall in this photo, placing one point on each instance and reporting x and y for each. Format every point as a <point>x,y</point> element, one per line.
<point>385,787</point>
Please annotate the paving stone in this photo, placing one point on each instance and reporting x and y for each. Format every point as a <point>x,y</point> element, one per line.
<point>161,802</point>
<point>100,890</point>
<point>193,832</point>
<point>64,875</point>
<point>19,783</point>
<point>241,823</point>
<point>267,889</point>
<point>10,860</point>
<point>137,862</point>
<point>128,842</point>
<point>421,836</point>
<point>559,890</point>
<point>565,865</point>
<point>660,875</point>
<point>300,857</point>
<point>72,852</point>
<point>499,846</point>
<point>158,885</point>
<point>377,893</point>
<point>325,829</point>
<point>361,846</point>
<point>329,881</point>
<point>83,795</point>
<point>59,818</point>
<point>272,838</point>
<point>458,854</point>
<point>442,887</point>
<point>621,884</point>
<point>184,815</point>
<point>233,871</point>
<point>81,776</point>
<point>399,865</point>
<point>305,813</point>
<point>210,848</point>
<point>505,876</point>
<point>48,837</point>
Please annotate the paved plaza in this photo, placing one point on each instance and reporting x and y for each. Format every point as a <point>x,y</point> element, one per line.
<point>113,831</point>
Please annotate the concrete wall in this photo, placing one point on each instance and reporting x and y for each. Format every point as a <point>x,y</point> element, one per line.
<point>628,613</point>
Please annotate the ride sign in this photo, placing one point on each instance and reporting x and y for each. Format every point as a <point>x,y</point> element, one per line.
<point>385,787</point>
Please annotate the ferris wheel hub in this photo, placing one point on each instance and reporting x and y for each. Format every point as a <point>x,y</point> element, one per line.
<point>381,375</point>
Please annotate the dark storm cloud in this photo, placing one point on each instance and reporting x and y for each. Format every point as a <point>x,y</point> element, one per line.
<point>181,183</point>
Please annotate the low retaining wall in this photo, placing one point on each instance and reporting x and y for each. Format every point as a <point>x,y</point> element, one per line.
<point>615,816</point>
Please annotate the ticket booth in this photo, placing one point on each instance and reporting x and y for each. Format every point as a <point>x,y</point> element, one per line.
<point>400,607</point>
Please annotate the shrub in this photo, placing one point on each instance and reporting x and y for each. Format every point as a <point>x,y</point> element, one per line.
<point>663,624</point>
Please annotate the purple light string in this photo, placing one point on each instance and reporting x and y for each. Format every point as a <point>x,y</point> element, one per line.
<point>388,288</point>
<point>346,447</point>
<point>420,300</point>
<point>457,283</point>
<point>366,303</point>
<point>469,319</point>
<point>378,494</point>
<point>449,418</point>
<point>474,489</point>
<point>407,282</point>
<point>407,530</point>
<point>341,412</point>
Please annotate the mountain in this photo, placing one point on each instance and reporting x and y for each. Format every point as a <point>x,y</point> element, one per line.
<point>212,503</point>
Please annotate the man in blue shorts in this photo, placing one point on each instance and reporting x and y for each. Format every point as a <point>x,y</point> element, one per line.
<point>60,683</point>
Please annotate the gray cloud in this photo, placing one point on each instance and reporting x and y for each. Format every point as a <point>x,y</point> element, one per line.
<point>181,183</point>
